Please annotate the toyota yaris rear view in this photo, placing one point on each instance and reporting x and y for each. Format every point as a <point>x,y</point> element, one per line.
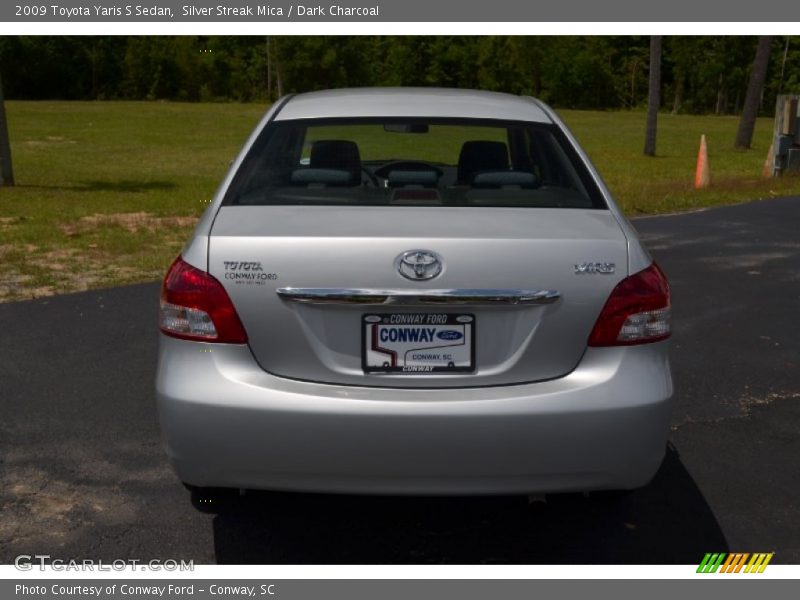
<point>414,291</point>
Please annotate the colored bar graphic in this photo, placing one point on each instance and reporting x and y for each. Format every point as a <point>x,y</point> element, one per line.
<point>711,562</point>
<point>759,562</point>
<point>727,564</point>
<point>735,562</point>
<point>740,563</point>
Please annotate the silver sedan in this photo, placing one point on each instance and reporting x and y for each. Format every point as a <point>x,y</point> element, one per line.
<point>422,291</point>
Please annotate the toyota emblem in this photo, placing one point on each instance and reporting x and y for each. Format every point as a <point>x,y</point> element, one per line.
<point>419,265</point>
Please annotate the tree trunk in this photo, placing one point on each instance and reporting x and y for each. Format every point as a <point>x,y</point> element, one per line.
<point>6,172</point>
<point>269,73</point>
<point>747,124</point>
<point>276,61</point>
<point>783,64</point>
<point>537,83</point>
<point>93,57</point>
<point>677,102</point>
<point>654,96</point>
<point>632,101</point>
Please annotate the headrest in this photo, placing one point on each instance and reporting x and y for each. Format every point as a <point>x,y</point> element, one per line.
<point>480,155</point>
<point>342,155</point>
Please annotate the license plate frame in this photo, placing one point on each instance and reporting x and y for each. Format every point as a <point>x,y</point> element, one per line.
<point>462,354</point>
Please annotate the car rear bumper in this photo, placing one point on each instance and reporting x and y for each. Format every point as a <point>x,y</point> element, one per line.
<point>228,423</point>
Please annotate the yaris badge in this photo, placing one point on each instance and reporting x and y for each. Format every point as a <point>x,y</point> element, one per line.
<point>603,268</point>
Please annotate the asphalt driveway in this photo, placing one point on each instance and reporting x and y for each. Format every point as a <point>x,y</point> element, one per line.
<point>82,474</point>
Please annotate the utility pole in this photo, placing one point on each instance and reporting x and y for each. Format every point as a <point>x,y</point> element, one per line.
<point>755,87</point>
<point>654,96</point>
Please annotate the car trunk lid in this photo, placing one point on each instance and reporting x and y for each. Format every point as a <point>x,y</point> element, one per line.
<point>494,263</point>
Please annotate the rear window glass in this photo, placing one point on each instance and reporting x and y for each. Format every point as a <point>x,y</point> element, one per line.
<point>416,162</point>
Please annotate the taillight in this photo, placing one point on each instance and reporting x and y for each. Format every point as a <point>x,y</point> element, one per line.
<point>195,306</point>
<point>636,312</point>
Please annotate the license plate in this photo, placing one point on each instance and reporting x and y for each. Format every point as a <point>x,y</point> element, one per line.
<point>418,343</point>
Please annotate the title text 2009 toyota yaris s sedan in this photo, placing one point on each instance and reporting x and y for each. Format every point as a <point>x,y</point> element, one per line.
<point>422,291</point>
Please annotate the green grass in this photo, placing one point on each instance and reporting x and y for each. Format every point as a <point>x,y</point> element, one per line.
<point>665,183</point>
<point>440,144</point>
<point>148,170</point>
<point>108,192</point>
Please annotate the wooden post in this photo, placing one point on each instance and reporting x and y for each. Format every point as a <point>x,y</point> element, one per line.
<point>789,116</point>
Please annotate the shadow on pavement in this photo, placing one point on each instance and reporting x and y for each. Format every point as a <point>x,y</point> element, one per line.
<point>666,522</point>
<point>125,185</point>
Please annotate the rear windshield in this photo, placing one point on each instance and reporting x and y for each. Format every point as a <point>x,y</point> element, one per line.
<point>414,162</point>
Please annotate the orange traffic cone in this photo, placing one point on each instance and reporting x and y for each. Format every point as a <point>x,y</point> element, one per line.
<point>769,163</point>
<point>701,176</point>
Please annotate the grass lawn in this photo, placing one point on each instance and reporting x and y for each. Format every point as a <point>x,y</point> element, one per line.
<point>647,185</point>
<point>108,192</point>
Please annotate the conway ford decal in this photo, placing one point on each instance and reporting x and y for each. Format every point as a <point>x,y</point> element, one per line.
<point>247,272</point>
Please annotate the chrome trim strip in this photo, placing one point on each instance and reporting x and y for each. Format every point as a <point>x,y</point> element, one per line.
<point>426,297</point>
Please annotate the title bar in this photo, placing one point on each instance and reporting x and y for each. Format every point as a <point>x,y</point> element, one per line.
<point>280,11</point>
